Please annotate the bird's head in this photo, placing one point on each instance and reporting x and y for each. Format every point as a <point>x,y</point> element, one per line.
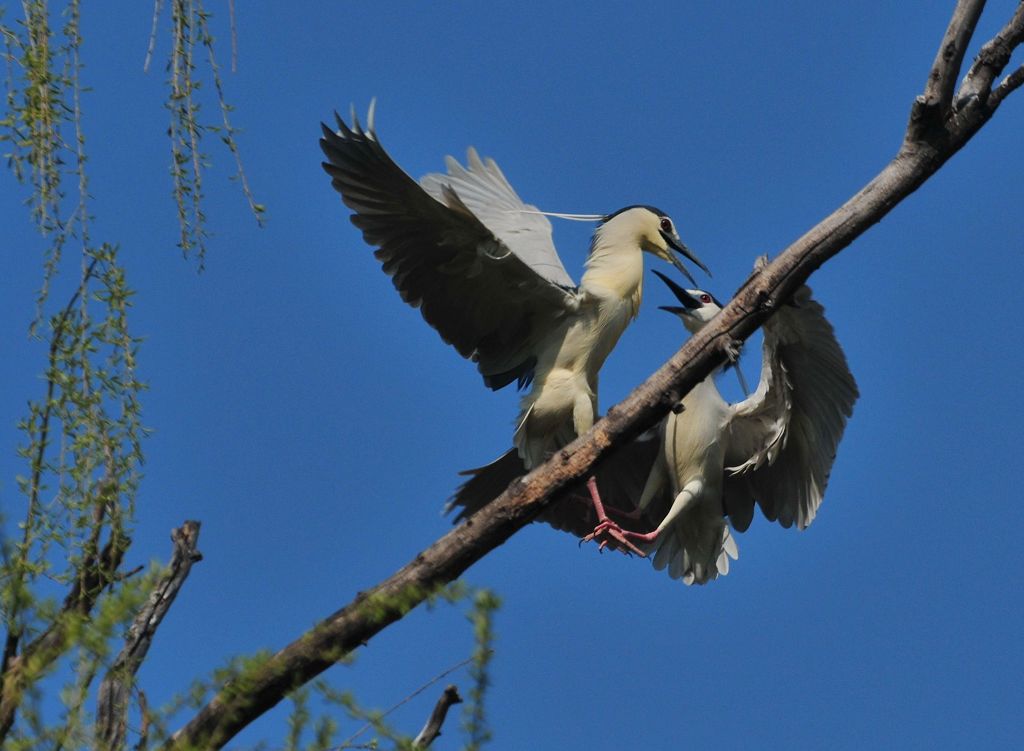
<point>697,306</point>
<point>654,231</point>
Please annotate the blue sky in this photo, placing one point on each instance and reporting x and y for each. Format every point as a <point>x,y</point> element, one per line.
<point>316,425</point>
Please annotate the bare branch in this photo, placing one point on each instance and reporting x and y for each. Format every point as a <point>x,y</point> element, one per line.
<point>930,113</point>
<point>234,37</point>
<point>942,78</point>
<point>923,152</point>
<point>152,36</point>
<point>1009,84</point>
<point>432,729</point>
<point>116,687</point>
<point>991,59</point>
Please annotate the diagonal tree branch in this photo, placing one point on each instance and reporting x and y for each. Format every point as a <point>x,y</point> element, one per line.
<point>116,686</point>
<point>932,138</point>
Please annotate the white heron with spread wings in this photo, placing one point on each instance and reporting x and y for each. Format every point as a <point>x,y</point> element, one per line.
<point>481,266</point>
<point>715,460</point>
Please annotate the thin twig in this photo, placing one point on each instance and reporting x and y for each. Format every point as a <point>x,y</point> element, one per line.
<point>234,36</point>
<point>406,700</point>
<point>146,721</point>
<point>1009,84</point>
<point>157,5</point>
<point>229,130</point>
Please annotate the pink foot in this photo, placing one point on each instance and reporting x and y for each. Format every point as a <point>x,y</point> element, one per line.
<point>616,536</point>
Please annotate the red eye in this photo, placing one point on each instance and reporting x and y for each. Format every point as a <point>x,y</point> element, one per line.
<point>705,299</point>
<point>666,224</point>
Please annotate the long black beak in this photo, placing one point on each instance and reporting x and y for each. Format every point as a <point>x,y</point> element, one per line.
<point>677,245</point>
<point>689,301</point>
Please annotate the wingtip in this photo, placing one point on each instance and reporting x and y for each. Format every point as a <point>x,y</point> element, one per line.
<point>343,129</point>
<point>355,130</point>
<point>371,118</point>
<point>356,127</point>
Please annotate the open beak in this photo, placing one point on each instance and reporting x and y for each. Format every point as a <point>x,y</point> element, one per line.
<point>689,301</point>
<point>677,245</point>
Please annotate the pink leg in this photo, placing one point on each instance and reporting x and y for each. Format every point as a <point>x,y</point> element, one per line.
<point>606,526</point>
<point>609,510</point>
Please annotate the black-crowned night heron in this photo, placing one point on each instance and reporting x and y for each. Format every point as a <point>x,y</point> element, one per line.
<point>709,463</point>
<point>481,266</point>
<point>775,448</point>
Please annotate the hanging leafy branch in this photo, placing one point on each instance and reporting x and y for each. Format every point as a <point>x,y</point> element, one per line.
<point>66,605</point>
<point>190,35</point>
<point>63,596</point>
<point>83,436</point>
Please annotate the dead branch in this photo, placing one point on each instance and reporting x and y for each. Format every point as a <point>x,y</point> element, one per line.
<point>942,77</point>
<point>432,729</point>
<point>116,686</point>
<point>934,134</point>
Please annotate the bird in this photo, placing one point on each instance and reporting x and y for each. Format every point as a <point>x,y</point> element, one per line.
<point>712,461</point>
<point>685,482</point>
<point>481,266</point>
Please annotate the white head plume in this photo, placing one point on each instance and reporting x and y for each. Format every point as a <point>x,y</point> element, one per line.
<point>558,215</point>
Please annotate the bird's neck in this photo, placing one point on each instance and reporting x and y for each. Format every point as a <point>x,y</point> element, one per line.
<point>704,397</point>
<point>615,267</point>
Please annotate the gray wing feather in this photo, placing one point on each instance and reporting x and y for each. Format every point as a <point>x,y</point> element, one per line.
<point>484,485</point>
<point>482,299</point>
<point>483,189</point>
<point>782,440</point>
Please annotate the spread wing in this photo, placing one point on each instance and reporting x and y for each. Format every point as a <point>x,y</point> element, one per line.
<point>483,298</point>
<point>781,441</point>
<point>483,189</point>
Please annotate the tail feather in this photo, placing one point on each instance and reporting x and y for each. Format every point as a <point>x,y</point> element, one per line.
<point>484,484</point>
<point>695,548</point>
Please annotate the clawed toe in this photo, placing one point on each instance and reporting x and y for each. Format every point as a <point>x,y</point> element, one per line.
<point>608,534</point>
